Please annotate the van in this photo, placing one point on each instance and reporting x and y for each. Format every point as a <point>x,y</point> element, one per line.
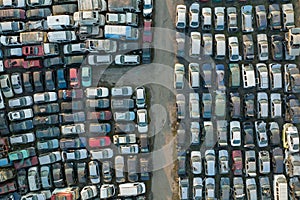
<point>194,75</point>
<point>195,44</point>
<point>33,37</point>
<point>59,22</point>
<point>121,32</point>
<point>220,46</point>
<point>280,187</point>
<point>131,189</point>
<point>248,76</point>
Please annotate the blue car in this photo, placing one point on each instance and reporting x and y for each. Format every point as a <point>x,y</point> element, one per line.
<point>61,81</point>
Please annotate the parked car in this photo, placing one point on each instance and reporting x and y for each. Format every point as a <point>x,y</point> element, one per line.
<point>121,91</point>
<point>262,46</point>
<point>219,18</point>
<point>288,16</point>
<point>49,132</point>
<point>261,133</point>
<point>72,143</point>
<point>251,188</point>
<point>223,162</point>
<point>86,76</point>
<point>277,47</point>
<point>142,120</point>
<point>210,188</point>
<point>60,79</point>
<point>47,145</point>
<point>34,179</point>
<point>16,83</point>
<point>49,80</point>
<point>96,92</point>
<point>264,162</point>
<point>275,76</point>
<point>180,21</point>
<point>194,105</point>
<point>21,126</point>
<point>88,192</point>
<point>207,43</point>
<point>147,32</point>
<point>248,47</point>
<point>291,77</point>
<point>274,17</point>
<point>235,133</point>
<point>238,188</point>
<point>206,18</point>
<point>209,163</point>
<point>261,17</point>
<point>6,86</point>
<point>247,18</point>
<point>290,138</point>
<point>20,114</point>
<point>248,134</point>
<point>45,97</point>
<point>22,139</point>
<point>250,163</point>
<point>179,76</point>
<point>262,105</point>
<point>265,188</point>
<point>277,160</point>
<point>94,172</point>
<point>232,19</point>
<point>206,105</point>
<point>127,60</point>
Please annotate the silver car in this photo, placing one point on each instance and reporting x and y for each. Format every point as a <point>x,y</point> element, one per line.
<point>6,86</point>
<point>247,18</point>
<point>262,105</point>
<point>16,83</point>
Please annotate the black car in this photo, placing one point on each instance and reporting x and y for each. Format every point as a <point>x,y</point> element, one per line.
<point>38,82</point>
<point>48,120</point>
<point>45,133</point>
<point>46,108</point>
<point>249,105</point>
<point>82,173</point>
<point>124,127</point>
<point>38,13</point>
<point>58,175</point>
<point>49,80</point>
<point>70,174</point>
<point>51,62</point>
<point>248,135</point>
<point>144,143</point>
<point>274,133</point>
<point>21,126</point>
<point>107,171</point>
<point>3,124</point>
<point>292,109</point>
<point>97,103</point>
<point>277,160</point>
<point>72,117</point>
<point>277,47</point>
<point>27,82</point>
<point>22,181</point>
<point>146,55</point>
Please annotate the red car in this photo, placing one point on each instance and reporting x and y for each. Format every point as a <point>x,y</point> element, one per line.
<point>9,63</point>
<point>33,64</point>
<point>99,141</point>
<point>70,94</point>
<point>102,115</point>
<point>36,50</point>
<point>8,187</point>
<point>147,34</point>
<point>4,146</point>
<point>28,162</point>
<point>74,78</point>
<point>237,167</point>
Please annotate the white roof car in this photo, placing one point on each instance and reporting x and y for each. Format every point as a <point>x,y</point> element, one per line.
<point>127,59</point>
<point>12,4</point>
<point>275,76</point>
<point>219,18</point>
<point>142,120</point>
<point>121,91</point>
<point>20,114</point>
<point>16,83</point>
<point>276,105</point>
<point>124,116</point>
<point>20,102</point>
<point>147,8</point>
<point>45,97</point>
<point>95,59</point>
<point>223,162</point>
<point>262,46</point>
<point>140,97</point>
<point>183,188</point>
<point>210,163</point>
<point>74,48</point>
<point>124,139</point>
<point>115,18</point>
<point>180,104</point>
<point>196,163</point>
<point>61,36</point>
<point>129,149</point>
<point>107,191</point>
<point>262,105</point>
<point>33,196</point>
<point>206,18</point>
<point>6,86</point>
<point>194,15</point>
<point>180,16</point>
<point>77,154</point>
<point>248,76</point>
<point>96,92</point>
<point>33,179</point>
<point>91,18</point>
<point>72,129</point>
<point>195,130</point>
<point>89,192</point>
<point>232,19</point>
<point>49,158</point>
<point>179,76</point>
<point>207,43</point>
<point>251,189</point>
<point>288,16</point>
<point>292,138</point>
<point>197,187</point>
<point>262,75</point>
<point>101,153</point>
<point>22,138</point>
<point>106,45</point>
<point>210,187</point>
<point>194,75</point>
<point>59,22</point>
<point>233,45</point>
<point>1,101</point>
<point>235,133</point>
<point>261,133</point>
<point>247,19</point>
<point>194,105</point>
<point>94,172</point>
<point>220,44</point>
<point>264,162</point>
<point>132,189</point>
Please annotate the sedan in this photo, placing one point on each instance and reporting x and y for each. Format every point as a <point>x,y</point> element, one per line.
<point>235,133</point>
<point>248,47</point>
<point>276,110</point>
<point>124,116</point>
<point>194,15</point>
<point>262,105</point>
<point>180,105</point>
<point>179,76</point>
<point>196,162</point>
<point>261,133</point>
<point>262,46</point>
<point>275,76</point>
<point>16,83</point>
<point>142,121</point>
<point>277,47</point>
<point>234,55</point>
<point>20,114</point>
<point>94,172</point>
<point>223,162</point>
<point>194,106</point>
<point>210,162</point>
<point>180,16</point>
<point>250,163</point>
<point>247,18</point>
<point>6,86</point>
<point>232,19</point>
<point>147,33</point>
<point>96,92</point>
<point>274,17</point>
<point>262,76</point>
<point>237,162</point>
<point>123,91</point>
<point>264,162</point>
<point>261,17</point>
<point>102,141</point>
<point>288,16</point>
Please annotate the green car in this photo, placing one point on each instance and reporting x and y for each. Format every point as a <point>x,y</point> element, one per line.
<point>86,76</point>
<point>18,155</point>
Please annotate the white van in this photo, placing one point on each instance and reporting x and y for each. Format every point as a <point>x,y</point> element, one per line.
<point>131,189</point>
<point>195,44</point>
<point>280,187</point>
<point>60,22</point>
<point>194,75</point>
<point>248,76</point>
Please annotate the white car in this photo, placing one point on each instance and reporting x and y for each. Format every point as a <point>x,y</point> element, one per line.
<point>72,129</point>
<point>124,116</point>
<point>247,19</point>
<point>197,188</point>
<point>196,163</point>
<point>129,149</point>
<point>291,138</point>
<point>210,163</point>
<point>180,16</point>
<point>45,97</point>
<point>262,105</point>
<point>34,196</point>
<point>89,192</point>
<point>276,105</point>
<point>16,83</point>
<point>179,76</point>
<point>121,91</point>
<point>124,139</point>
<point>207,43</point>
<point>77,154</point>
<point>194,105</point>
<point>96,92</point>
<point>20,114</point>
<point>20,102</point>
<point>49,158</point>
<point>107,191</point>
<point>261,133</point>
<point>74,48</point>
<point>140,97</point>
<point>22,138</point>
<point>234,55</point>
<point>206,18</point>
<point>219,18</point>
<point>33,179</point>
<point>262,75</point>
<point>94,172</point>
<point>6,86</point>
<point>195,130</point>
<point>127,59</point>
<point>288,16</point>
<point>262,46</point>
<point>101,153</point>
<point>223,162</point>
<point>194,15</point>
<point>142,120</point>
<point>147,8</point>
<point>61,36</point>
<point>235,133</point>
<point>264,162</point>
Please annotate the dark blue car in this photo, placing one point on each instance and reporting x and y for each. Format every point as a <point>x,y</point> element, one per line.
<point>61,81</point>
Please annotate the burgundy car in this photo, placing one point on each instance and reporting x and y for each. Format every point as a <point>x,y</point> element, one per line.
<point>102,115</point>
<point>4,146</point>
<point>237,159</point>
<point>32,64</point>
<point>28,162</point>
<point>147,34</point>
<point>99,141</point>
<point>8,187</point>
<point>9,63</point>
<point>36,50</point>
